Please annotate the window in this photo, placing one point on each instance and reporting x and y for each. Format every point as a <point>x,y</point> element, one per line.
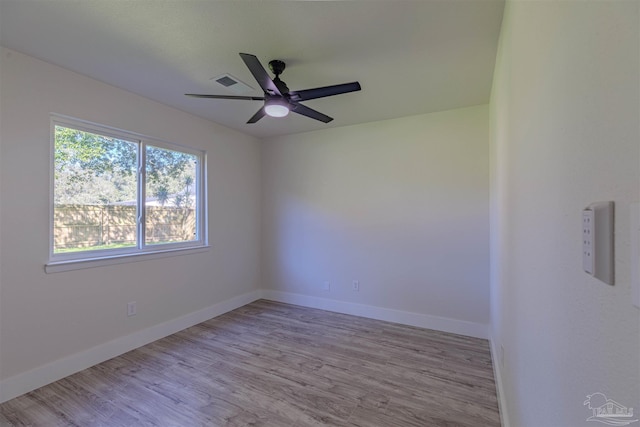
<point>117,194</point>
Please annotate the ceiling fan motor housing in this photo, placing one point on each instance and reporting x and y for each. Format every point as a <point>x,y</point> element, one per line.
<point>277,67</point>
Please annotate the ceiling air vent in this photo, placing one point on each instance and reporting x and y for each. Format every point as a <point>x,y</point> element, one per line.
<point>232,83</point>
<point>226,81</point>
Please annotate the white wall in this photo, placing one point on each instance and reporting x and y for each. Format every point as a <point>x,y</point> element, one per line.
<point>564,133</point>
<point>400,205</point>
<point>47,317</point>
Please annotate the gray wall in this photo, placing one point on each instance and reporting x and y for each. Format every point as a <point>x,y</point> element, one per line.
<point>47,317</point>
<point>564,126</point>
<point>400,205</point>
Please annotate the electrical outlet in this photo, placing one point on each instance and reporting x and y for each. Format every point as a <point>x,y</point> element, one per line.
<point>326,286</point>
<point>355,285</point>
<point>132,309</point>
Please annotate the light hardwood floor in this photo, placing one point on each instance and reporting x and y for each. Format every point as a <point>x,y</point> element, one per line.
<point>273,364</point>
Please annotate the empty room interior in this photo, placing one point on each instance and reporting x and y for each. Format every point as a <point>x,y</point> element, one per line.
<point>364,213</point>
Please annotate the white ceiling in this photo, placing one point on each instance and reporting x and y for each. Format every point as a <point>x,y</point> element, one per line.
<point>411,57</point>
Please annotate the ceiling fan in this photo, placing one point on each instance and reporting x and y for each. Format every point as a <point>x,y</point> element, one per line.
<point>278,99</point>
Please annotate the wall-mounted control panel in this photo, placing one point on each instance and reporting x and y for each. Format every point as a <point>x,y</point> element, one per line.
<point>635,253</point>
<point>597,241</point>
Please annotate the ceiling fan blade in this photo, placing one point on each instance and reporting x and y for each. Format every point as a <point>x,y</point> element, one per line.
<point>248,98</point>
<point>257,116</point>
<point>321,92</point>
<point>309,112</point>
<point>260,74</point>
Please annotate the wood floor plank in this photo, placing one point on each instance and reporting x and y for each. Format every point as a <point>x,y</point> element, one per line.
<point>280,365</point>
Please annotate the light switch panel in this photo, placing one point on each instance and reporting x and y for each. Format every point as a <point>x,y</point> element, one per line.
<point>597,241</point>
<point>587,241</point>
<point>635,253</point>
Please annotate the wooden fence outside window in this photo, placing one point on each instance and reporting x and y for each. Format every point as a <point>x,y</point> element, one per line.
<point>85,226</point>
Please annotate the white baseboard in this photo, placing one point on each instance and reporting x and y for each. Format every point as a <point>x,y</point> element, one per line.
<point>445,324</point>
<point>497,375</point>
<point>45,374</point>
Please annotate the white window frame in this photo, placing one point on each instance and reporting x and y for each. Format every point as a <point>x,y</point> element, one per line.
<point>142,251</point>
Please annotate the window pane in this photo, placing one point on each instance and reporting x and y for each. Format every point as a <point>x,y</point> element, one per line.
<point>95,186</point>
<point>171,201</point>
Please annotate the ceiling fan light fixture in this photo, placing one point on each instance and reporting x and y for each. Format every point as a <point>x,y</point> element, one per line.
<point>276,107</point>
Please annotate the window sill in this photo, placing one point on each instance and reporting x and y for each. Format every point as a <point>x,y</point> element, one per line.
<point>80,264</point>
